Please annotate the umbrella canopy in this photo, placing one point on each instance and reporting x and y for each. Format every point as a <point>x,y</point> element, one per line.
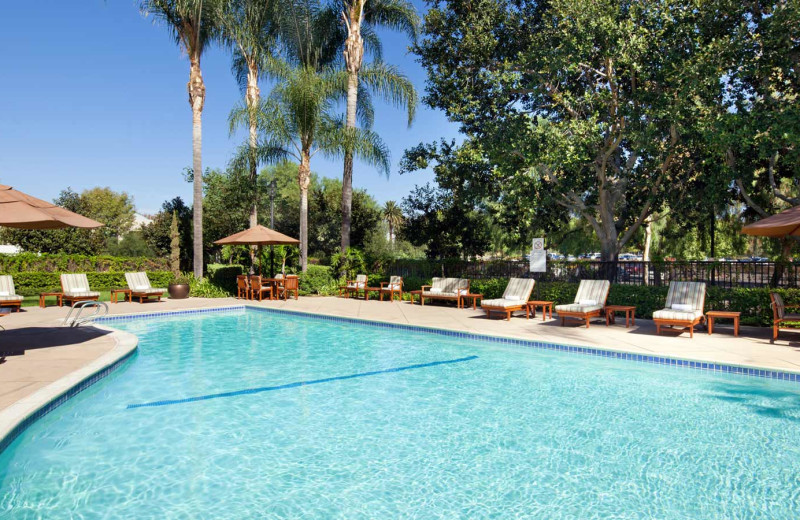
<point>258,236</point>
<point>18,210</point>
<point>785,223</point>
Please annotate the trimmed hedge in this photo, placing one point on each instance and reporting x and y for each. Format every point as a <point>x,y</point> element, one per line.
<point>66,263</point>
<point>224,276</point>
<point>318,279</point>
<point>32,283</point>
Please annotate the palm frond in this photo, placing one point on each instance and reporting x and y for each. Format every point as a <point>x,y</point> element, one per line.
<point>398,15</point>
<point>391,85</point>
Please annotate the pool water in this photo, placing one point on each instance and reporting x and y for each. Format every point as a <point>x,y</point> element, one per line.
<point>250,414</point>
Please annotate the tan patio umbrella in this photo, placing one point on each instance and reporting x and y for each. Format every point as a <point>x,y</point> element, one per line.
<point>258,236</point>
<point>19,210</point>
<point>785,223</point>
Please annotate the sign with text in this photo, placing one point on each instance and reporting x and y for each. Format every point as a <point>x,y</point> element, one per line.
<point>538,256</point>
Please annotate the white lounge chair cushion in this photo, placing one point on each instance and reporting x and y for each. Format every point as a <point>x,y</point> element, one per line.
<point>577,307</point>
<point>672,314</point>
<point>681,307</point>
<point>512,297</point>
<point>502,302</point>
<point>395,287</point>
<point>435,290</point>
<point>587,302</point>
<point>462,291</point>
<point>439,294</point>
<point>10,298</point>
<point>81,294</point>
<point>79,289</point>
<point>519,289</point>
<point>150,290</point>
<point>5,293</point>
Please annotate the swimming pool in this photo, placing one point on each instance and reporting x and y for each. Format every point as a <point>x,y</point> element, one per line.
<point>254,414</point>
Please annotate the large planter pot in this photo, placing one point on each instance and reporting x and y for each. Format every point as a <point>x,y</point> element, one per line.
<point>178,291</point>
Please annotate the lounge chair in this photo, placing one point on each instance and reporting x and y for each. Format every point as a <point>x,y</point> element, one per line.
<point>257,288</point>
<point>684,307</point>
<point>290,285</point>
<point>444,289</point>
<point>75,287</point>
<point>589,301</point>
<point>8,295</point>
<point>779,314</point>
<point>515,298</point>
<point>354,286</point>
<point>392,287</point>
<point>140,287</point>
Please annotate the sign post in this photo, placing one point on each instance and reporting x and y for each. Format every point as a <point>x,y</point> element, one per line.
<point>538,256</point>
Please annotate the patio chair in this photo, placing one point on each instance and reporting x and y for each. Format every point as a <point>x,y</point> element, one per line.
<point>779,314</point>
<point>75,287</point>
<point>257,288</point>
<point>242,287</point>
<point>589,301</point>
<point>515,298</point>
<point>684,307</point>
<point>290,285</point>
<point>444,289</point>
<point>8,294</point>
<point>392,287</point>
<point>140,287</point>
<point>354,286</point>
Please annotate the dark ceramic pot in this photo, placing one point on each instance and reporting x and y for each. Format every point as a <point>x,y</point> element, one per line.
<point>178,291</point>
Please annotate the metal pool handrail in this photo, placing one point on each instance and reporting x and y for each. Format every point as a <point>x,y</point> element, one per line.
<point>77,320</point>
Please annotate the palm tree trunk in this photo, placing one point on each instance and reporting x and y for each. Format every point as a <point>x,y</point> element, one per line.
<point>304,180</point>
<point>353,57</point>
<point>253,96</point>
<point>197,93</point>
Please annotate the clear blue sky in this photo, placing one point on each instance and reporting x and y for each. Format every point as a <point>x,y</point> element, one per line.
<point>93,94</point>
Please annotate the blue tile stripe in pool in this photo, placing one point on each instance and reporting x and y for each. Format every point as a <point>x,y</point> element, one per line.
<point>298,384</point>
<point>58,401</point>
<point>575,349</point>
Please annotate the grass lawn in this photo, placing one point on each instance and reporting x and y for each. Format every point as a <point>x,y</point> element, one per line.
<point>105,296</point>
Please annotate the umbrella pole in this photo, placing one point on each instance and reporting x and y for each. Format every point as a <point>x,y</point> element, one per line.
<point>272,261</point>
<point>260,267</point>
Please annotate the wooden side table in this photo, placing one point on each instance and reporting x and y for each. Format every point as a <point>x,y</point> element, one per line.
<point>731,315</point>
<point>547,308</point>
<point>367,291</point>
<point>629,310</point>
<point>415,293</point>
<point>462,297</point>
<point>124,292</point>
<point>42,298</point>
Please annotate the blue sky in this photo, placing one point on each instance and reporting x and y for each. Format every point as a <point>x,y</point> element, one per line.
<point>93,94</point>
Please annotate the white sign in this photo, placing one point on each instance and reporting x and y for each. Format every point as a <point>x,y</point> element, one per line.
<point>538,256</point>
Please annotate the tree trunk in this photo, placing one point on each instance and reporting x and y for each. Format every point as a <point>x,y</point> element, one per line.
<point>197,94</point>
<point>648,240</point>
<point>353,57</point>
<point>304,180</point>
<point>253,96</point>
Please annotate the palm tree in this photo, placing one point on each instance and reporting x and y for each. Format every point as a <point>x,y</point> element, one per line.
<point>247,26</point>
<point>393,216</point>
<point>360,18</point>
<point>297,121</point>
<point>191,24</point>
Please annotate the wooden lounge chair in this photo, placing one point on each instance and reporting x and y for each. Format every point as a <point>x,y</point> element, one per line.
<point>140,287</point>
<point>589,301</point>
<point>444,289</point>
<point>354,286</point>
<point>392,287</point>
<point>242,287</point>
<point>257,288</point>
<point>684,307</point>
<point>8,294</point>
<point>779,314</point>
<point>75,287</point>
<point>290,285</point>
<point>515,298</point>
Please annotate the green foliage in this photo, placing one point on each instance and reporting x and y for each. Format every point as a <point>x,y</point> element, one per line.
<point>204,288</point>
<point>158,236</point>
<point>131,245</point>
<point>62,263</point>
<point>318,279</point>
<point>351,263</point>
<point>183,279</point>
<point>31,283</point>
<point>224,276</point>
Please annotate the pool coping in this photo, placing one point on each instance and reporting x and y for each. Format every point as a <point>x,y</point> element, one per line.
<point>17,417</point>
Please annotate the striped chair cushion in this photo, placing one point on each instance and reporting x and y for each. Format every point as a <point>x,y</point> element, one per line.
<point>502,302</point>
<point>11,298</point>
<point>7,291</point>
<point>519,287</point>
<point>780,307</point>
<point>76,284</point>
<point>687,293</point>
<point>576,307</point>
<point>671,314</point>
<point>140,283</point>
<point>396,283</point>
<point>596,290</point>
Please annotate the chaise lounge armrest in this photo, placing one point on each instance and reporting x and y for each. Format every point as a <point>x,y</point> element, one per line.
<point>424,287</point>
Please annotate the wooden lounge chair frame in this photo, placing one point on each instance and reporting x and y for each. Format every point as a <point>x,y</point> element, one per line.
<point>684,325</point>
<point>390,288</point>
<point>71,300</point>
<point>447,297</point>
<point>14,300</point>
<point>143,295</point>
<point>778,315</point>
<point>508,311</point>
<point>586,316</point>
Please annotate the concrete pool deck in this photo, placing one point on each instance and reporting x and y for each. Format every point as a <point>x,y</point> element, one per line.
<point>55,355</point>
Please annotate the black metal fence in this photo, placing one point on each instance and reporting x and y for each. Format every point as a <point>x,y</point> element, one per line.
<point>723,274</point>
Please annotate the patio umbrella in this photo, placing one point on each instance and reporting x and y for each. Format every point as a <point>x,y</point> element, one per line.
<point>785,223</point>
<point>19,210</point>
<point>258,236</point>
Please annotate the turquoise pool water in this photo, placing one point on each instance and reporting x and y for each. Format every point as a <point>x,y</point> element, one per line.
<point>396,424</point>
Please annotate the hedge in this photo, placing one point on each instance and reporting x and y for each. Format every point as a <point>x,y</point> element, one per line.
<point>66,263</point>
<point>32,283</point>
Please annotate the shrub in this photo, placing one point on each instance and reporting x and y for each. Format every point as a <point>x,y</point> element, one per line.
<point>224,276</point>
<point>204,288</point>
<point>32,283</point>
<point>68,263</point>
<point>318,279</point>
